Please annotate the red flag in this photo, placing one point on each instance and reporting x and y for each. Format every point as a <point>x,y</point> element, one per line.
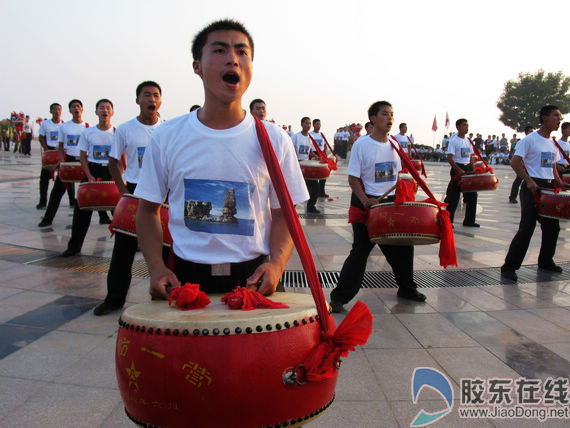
<point>434,126</point>
<point>446,120</point>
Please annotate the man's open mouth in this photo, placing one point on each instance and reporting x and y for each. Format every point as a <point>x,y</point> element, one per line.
<point>231,77</point>
<point>152,108</point>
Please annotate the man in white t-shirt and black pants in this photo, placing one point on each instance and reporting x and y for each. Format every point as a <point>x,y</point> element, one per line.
<point>131,139</point>
<point>540,157</point>
<point>94,148</point>
<point>403,139</point>
<point>304,148</point>
<point>319,138</point>
<point>225,220</point>
<point>27,141</point>
<point>372,170</point>
<point>459,151</point>
<point>563,167</point>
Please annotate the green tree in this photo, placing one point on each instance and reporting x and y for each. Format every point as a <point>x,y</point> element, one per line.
<point>523,98</point>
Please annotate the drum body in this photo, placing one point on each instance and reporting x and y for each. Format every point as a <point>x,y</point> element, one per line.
<point>98,195</point>
<point>217,367</point>
<point>411,223</point>
<point>50,159</point>
<point>417,164</point>
<point>478,182</point>
<point>408,177</point>
<point>478,164</point>
<point>554,205</point>
<point>124,218</point>
<point>566,178</point>
<point>314,170</point>
<point>71,172</point>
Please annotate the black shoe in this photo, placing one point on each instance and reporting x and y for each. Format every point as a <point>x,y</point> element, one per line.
<point>69,253</point>
<point>509,274</point>
<point>41,206</point>
<point>44,223</point>
<point>471,224</point>
<point>513,201</point>
<point>324,195</point>
<point>337,307</point>
<point>552,268</point>
<point>313,211</point>
<point>105,308</point>
<point>104,220</point>
<point>411,294</point>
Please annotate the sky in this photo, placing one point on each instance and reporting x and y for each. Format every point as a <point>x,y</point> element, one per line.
<point>324,59</point>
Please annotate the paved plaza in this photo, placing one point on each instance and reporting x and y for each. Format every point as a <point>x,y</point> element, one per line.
<point>57,366</point>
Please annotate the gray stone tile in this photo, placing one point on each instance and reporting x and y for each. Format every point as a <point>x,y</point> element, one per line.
<point>389,332</point>
<point>434,330</point>
<point>406,412</point>
<point>357,414</point>
<point>558,316</point>
<point>532,326</point>
<point>562,349</point>
<point>14,392</point>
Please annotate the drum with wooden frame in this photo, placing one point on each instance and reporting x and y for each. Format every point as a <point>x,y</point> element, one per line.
<point>124,218</point>
<point>50,159</point>
<point>314,170</point>
<point>554,205</point>
<point>478,182</point>
<point>217,367</point>
<point>71,172</point>
<point>98,195</point>
<point>411,223</point>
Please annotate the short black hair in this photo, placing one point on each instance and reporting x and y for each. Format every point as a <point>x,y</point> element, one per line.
<point>148,83</point>
<point>460,122</point>
<point>368,124</point>
<point>53,105</point>
<point>375,108</point>
<point>402,125</point>
<point>546,110</point>
<point>201,37</point>
<point>74,101</point>
<point>254,102</point>
<point>103,100</point>
<point>305,118</point>
<point>565,125</point>
<point>194,107</point>
<point>528,129</point>
<point>315,121</point>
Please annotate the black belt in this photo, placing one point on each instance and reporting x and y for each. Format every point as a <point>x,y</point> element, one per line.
<point>544,182</point>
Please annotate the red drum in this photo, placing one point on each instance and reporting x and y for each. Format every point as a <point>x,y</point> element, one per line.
<point>478,164</point>
<point>554,205</point>
<point>478,182</point>
<point>124,218</point>
<point>314,170</point>
<point>408,177</point>
<point>71,172</point>
<point>417,164</point>
<point>412,223</point>
<point>566,178</point>
<point>98,195</point>
<point>50,159</point>
<point>333,158</point>
<point>218,367</point>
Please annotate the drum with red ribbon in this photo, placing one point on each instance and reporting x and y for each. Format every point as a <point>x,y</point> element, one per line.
<point>124,218</point>
<point>417,164</point>
<point>71,172</point>
<point>408,177</point>
<point>566,178</point>
<point>411,223</point>
<point>98,195</point>
<point>314,170</point>
<point>217,367</point>
<point>478,182</point>
<point>554,205</point>
<point>50,159</point>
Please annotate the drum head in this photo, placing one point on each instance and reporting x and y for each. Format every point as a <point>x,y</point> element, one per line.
<point>405,239</point>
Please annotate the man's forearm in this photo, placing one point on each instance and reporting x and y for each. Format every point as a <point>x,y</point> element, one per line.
<point>149,233</point>
<point>281,243</point>
<point>43,143</point>
<point>116,170</point>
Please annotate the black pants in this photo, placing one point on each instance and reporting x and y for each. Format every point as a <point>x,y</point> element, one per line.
<point>529,216</point>
<point>45,177</point>
<point>322,192</point>
<point>82,218</point>
<point>400,258</point>
<point>6,142</point>
<point>515,188</point>
<point>57,192</point>
<point>27,144</point>
<point>453,194</point>
<point>313,188</point>
<point>197,273</point>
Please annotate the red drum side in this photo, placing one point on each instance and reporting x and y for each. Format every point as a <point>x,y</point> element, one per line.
<point>417,163</point>
<point>554,205</point>
<point>50,159</point>
<point>478,182</point>
<point>71,172</point>
<point>314,170</point>
<point>412,223</point>
<point>98,195</point>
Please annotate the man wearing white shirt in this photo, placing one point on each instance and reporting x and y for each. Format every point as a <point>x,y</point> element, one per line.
<point>319,138</point>
<point>49,133</point>
<point>403,139</point>
<point>540,156</point>
<point>459,151</point>
<point>257,108</point>
<point>563,166</point>
<point>304,148</point>
<point>27,140</point>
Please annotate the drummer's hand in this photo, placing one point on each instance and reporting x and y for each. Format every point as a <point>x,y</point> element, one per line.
<point>269,276</point>
<point>90,178</point>
<point>460,172</point>
<point>369,202</point>
<point>532,186</point>
<point>161,281</point>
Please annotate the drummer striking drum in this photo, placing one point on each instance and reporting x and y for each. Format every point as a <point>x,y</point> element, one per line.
<point>225,220</point>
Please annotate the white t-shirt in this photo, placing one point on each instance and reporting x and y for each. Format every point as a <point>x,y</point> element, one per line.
<point>460,148</point>
<point>131,138</point>
<point>539,155</point>
<point>344,135</point>
<point>566,147</point>
<point>303,146</point>
<point>97,144</point>
<point>376,163</point>
<point>217,174</point>
<point>50,130</point>
<point>403,140</point>
<point>69,134</point>
<point>28,127</point>
<point>317,136</point>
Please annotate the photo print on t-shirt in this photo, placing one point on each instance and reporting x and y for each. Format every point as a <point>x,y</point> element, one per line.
<point>303,150</point>
<point>140,155</point>
<point>546,159</point>
<point>53,135</point>
<point>101,152</point>
<point>216,206</point>
<point>384,171</point>
<point>72,140</point>
<point>465,152</point>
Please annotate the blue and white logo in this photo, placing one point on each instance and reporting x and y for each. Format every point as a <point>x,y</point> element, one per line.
<point>434,379</point>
